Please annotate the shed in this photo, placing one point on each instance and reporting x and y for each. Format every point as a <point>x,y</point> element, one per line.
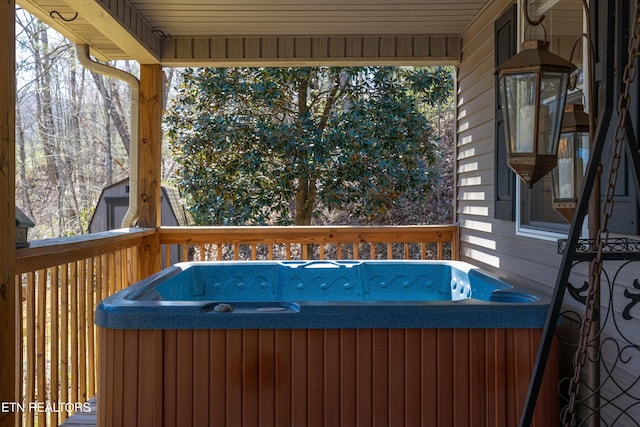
<point>114,202</point>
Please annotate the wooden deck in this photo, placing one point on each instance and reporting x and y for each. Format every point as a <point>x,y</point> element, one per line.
<point>83,419</point>
<point>62,280</point>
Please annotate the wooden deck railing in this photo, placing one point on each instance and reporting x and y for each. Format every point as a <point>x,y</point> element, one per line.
<point>62,281</point>
<point>337,242</point>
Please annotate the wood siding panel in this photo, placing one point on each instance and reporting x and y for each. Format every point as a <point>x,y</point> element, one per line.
<point>269,47</point>
<point>286,47</point>
<point>235,47</point>
<point>337,47</point>
<point>201,48</point>
<point>387,46</point>
<point>319,47</point>
<point>398,377</point>
<point>252,47</point>
<point>338,50</point>
<point>353,47</point>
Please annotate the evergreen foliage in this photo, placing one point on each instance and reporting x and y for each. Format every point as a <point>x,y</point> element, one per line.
<point>278,145</point>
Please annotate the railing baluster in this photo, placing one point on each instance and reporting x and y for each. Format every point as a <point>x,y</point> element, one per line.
<point>454,246</point>
<point>41,333</point>
<point>112,274</point>
<point>356,247</point>
<point>389,250</point>
<point>124,267</point>
<point>64,337</point>
<point>440,251</point>
<point>20,350</point>
<point>73,329</point>
<point>90,306</point>
<point>31,345</point>
<point>54,349</point>
<point>82,330</point>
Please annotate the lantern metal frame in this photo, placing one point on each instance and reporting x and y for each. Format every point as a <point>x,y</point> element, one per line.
<point>575,128</point>
<point>532,154</point>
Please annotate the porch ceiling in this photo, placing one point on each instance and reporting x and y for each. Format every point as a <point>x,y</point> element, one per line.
<point>203,32</point>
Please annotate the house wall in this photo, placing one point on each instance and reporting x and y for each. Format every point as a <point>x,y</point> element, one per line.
<point>490,243</point>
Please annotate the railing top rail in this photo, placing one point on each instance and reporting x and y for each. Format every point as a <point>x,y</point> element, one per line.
<point>50,252</point>
<point>308,234</point>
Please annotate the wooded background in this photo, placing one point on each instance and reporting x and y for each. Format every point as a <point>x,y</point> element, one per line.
<point>73,139</point>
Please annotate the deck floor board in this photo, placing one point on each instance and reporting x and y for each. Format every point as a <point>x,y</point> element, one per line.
<point>83,419</point>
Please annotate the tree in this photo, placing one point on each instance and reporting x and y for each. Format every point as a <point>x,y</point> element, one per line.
<point>63,131</point>
<point>262,145</point>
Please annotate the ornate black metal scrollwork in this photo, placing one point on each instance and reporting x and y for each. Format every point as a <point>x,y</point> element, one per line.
<point>614,347</point>
<point>618,246</point>
<point>635,298</point>
<point>576,292</point>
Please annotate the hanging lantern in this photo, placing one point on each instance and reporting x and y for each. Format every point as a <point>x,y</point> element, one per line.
<point>573,155</point>
<point>533,89</point>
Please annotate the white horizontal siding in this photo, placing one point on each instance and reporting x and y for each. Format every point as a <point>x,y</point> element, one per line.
<point>485,241</point>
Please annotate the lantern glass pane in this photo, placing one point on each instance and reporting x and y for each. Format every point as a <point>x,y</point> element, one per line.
<point>582,158</point>
<point>553,93</point>
<point>563,174</point>
<point>519,101</point>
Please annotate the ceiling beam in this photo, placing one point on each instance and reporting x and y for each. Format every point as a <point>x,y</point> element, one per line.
<point>123,25</point>
<point>332,50</point>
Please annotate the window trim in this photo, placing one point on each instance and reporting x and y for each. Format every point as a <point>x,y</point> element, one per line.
<point>528,231</point>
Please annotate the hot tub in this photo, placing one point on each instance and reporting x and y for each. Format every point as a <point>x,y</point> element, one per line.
<point>327,343</point>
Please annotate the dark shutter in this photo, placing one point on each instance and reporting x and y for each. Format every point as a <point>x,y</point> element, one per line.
<point>505,47</point>
<point>625,215</point>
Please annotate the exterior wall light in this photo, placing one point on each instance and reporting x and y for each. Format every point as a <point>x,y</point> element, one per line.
<point>533,90</point>
<point>573,156</point>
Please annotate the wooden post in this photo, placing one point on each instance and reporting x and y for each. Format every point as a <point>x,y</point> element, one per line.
<point>8,293</point>
<point>149,163</point>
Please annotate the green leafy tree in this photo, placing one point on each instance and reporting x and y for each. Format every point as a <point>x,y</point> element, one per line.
<point>265,145</point>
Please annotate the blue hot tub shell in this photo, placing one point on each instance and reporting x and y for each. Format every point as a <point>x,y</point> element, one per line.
<point>321,294</point>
